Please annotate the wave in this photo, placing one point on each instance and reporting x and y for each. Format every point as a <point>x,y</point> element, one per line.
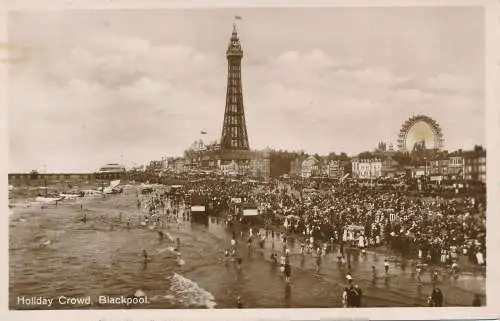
<point>190,293</point>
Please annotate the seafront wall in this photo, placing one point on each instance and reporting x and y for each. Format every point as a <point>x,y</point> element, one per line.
<point>43,179</point>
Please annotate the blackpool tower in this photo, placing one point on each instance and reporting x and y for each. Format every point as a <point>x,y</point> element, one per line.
<point>234,130</point>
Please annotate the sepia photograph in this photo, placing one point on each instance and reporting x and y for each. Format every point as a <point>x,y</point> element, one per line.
<point>235,158</point>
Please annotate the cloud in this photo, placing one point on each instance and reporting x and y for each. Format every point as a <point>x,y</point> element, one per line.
<point>96,93</point>
<point>450,83</point>
<point>143,90</point>
<point>294,83</point>
<point>114,60</point>
<point>114,91</point>
<point>336,107</point>
<point>314,59</point>
<point>371,75</point>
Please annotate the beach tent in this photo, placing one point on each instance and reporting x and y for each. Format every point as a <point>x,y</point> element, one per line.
<point>197,208</point>
<point>250,212</point>
<point>236,200</point>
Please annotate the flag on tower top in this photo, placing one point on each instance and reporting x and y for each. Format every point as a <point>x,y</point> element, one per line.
<point>237,17</point>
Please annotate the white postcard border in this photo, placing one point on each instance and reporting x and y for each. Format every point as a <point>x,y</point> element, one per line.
<point>492,124</point>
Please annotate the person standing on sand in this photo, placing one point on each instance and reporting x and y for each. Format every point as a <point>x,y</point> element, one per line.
<point>249,245</point>
<point>262,241</point>
<point>339,256</point>
<point>418,270</point>
<point>358,295</point>
<point>345,294</point>
<point>477,301</point>
<point>274,258</point>
<point>455,270</point>
<point>349,277</point>
<point>435,276</point>
<point>238,261</point>
<point>437,297</point>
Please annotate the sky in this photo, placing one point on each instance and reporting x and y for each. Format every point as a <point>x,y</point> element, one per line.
<point>129,86</point>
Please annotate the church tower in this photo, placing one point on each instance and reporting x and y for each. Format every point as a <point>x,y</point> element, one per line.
<point>234,130</point>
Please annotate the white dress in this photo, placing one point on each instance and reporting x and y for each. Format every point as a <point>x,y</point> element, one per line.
<point>344,299</point>
<point>361,241</point>
<point>480,258</point>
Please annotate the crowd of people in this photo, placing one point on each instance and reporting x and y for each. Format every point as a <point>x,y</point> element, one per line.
<point>432,230</point>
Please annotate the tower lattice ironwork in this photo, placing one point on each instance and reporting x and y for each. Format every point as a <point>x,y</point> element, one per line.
<point>234,129</point>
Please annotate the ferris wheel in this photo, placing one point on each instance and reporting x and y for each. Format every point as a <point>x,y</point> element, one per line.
<point>420,129</point>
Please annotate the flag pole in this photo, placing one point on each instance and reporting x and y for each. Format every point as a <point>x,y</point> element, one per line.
<point>236,17</point>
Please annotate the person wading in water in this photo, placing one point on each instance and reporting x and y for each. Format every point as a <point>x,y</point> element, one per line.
<point>249,245</point>
<point>274,258</point>
<point>145,256</point>
<point>386,267</point>
<point>288,271</point>
<point>318,260</point>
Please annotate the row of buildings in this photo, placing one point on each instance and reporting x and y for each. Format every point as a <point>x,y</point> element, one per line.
<point>459,165</point>
<point>253,163</point>
<point>465,165</point>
